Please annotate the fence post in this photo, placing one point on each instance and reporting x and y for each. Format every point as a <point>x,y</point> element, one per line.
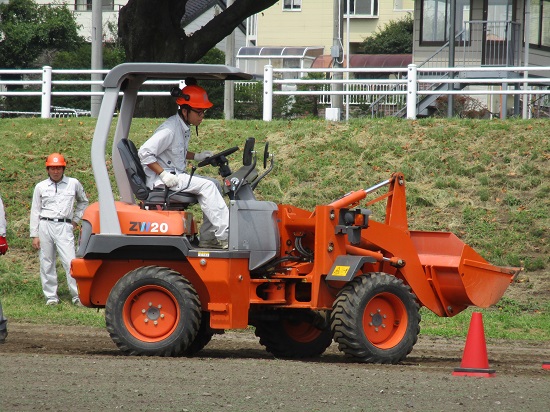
<point>412,91</point>
<point>46,92</point>
<point>268,92</point>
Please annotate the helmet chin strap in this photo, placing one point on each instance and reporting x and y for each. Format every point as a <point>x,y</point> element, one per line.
<point>186,121</point>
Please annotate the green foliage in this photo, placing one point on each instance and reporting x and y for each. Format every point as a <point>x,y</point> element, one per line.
<point>395,38</point>
<point>80,58</point>
<point>215,89</point>
<point>307,106</point>
<point>249,103</point>
<point>29,29</point>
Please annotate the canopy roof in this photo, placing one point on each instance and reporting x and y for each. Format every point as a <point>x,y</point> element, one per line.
<point>367,60</point>
<point>257,52</point>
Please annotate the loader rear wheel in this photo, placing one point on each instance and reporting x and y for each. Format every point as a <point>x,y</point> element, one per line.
<point>376,319</point>
<point>153,311</point>
<point>294,338</point>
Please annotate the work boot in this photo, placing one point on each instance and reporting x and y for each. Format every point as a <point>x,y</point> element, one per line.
<point>214,244</point>
<point>3,335</point>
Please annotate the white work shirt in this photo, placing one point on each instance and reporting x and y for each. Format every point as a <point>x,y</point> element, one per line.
<point>2,219</point>
<point>168,147</point>
<point>57,201</point>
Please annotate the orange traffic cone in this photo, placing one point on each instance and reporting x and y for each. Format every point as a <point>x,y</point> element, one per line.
<point>474,361</point>
<point>546,365</point>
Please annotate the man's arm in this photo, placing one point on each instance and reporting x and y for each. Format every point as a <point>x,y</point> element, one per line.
<point>35,212</point>
<point>35,215</point>
<point>81,202</point>
<point>2,219</point>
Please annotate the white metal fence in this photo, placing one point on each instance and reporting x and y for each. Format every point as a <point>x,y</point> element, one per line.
<point>45,79</point>
<point>521,82</point>
<point>530,84</point>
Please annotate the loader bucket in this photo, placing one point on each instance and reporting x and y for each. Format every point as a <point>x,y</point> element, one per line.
<point>459,275</point>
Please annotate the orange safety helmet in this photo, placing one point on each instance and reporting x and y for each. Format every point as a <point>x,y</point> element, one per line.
<point>194,96</point>
<point>55,159</point>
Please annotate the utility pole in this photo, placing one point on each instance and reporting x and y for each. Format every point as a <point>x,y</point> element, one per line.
<point>97,54</point>
<point>229,94</point>
<point>337,55</point>
<point>452,34</point>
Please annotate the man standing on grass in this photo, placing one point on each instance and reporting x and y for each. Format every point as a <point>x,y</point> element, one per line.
<point>3,250</point>
<point>53,219</point>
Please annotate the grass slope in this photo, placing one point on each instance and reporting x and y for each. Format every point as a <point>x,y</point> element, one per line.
<point>486,181</point>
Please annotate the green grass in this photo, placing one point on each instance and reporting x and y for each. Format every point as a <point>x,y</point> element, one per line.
<point>485,181</point>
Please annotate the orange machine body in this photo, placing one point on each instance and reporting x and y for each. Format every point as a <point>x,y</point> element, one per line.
<point>446,275</point>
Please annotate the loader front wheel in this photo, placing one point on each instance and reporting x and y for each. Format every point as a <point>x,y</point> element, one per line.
<point>203,338</point>
<point>153,311</point>
<point>376,319</point>
<point>294,338</point>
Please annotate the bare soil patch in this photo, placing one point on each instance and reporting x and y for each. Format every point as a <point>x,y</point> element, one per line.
<point>47,367</point>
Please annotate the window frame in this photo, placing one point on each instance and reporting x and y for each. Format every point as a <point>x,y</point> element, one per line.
<point>400,8</point>
<point>539,24</point>
<point>374,4</point>
<point>291,5</point>
<point>435,43</point>
<point>83,6</point>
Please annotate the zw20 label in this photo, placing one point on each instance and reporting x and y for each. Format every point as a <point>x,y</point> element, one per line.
<point>150,227</point>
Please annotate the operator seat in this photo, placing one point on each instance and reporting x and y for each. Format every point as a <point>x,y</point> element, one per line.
<point>158,198</point>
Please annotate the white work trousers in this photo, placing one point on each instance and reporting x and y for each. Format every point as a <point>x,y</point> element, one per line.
<point>56,238</point>
<point>215,212</point>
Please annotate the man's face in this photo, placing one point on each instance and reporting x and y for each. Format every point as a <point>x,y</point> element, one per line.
<point>55,173</point>
<point>195,116</point>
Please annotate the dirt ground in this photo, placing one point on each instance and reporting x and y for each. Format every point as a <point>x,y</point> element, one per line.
<point>70,368</point>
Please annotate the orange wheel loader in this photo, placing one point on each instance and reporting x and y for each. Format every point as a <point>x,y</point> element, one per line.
<point>301,278</point>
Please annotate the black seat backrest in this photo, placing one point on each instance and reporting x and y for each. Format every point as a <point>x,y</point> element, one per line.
<point>134,170</point>
<point>137,177</point>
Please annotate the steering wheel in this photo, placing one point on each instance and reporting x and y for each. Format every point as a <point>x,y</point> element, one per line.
<point>217,159</point>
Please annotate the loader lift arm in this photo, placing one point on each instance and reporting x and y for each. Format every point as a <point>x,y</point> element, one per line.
<point>445,274</point>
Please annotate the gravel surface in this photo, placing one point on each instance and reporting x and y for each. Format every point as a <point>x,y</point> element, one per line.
<point>45,367</point>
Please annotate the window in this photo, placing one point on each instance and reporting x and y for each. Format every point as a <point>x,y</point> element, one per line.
<point>540,23</point>
<point>436,17</point>
<point>86,5</point>
<point>292,5</point>
<point>403,5</point>
<point>360,8</point>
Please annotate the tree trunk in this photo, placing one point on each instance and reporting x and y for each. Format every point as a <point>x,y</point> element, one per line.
<point>151,31</point>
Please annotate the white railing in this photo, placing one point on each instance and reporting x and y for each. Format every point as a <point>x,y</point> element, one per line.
<point>404,90</point>
<point>43,80</point>
<point>412,84</point>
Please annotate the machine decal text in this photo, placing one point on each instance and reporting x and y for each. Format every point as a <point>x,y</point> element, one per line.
<point>151,227</point>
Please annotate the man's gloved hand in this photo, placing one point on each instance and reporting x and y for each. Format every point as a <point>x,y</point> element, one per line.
<point>3,245</point>
<point>199,157</point>
<point>169,179</point>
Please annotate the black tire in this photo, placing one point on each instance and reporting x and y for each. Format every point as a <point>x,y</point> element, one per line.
<point>153,311</point>
<point>376,319</point>
<point>294,338</point>
<point>203,338</point>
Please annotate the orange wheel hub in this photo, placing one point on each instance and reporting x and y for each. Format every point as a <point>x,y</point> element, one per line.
<point>385,320</point>
<point>151,313</point>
